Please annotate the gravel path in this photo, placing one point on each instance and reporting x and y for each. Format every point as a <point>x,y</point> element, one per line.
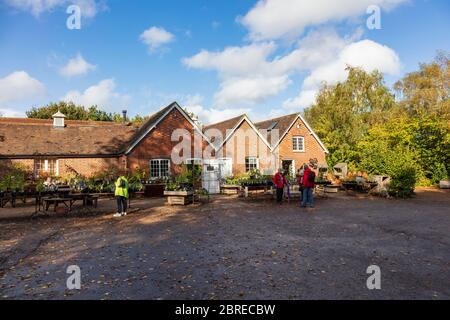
<point>236,249</point>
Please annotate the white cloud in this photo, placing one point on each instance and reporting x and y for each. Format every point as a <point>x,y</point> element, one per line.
<point>233,61</point>
<point>102,94</point>
<point>19,86</point>
<point>76,66</point>
<point>249,75</point>
<point>303,100</point>
<point>89,8</point>
<point>11,113</point>
<point>365,54</point>
<point>207,116</point>
<point>249,90</point>
<point>155,37</point>
<point>274,19</point>
<point>246,74</point>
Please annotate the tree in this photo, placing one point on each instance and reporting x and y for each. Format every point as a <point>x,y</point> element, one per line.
<point>427,91</point>
<point>77,112</point>
<point>71,111</point>
<point>344,112</point>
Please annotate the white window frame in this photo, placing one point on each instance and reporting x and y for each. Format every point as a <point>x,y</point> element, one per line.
<point>294,138</point>
<point>159,173</point>
<point>196,161</point>
<point>257,163</point>
<point>46,167</point>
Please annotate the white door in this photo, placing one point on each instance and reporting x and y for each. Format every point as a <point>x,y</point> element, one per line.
<point>211,176</point>
<point>226,167</point>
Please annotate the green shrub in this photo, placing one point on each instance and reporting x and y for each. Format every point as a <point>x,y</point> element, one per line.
<point>398,162</point>
<point>403,182</point>
<point>13,179</point>
<point>439,173</point>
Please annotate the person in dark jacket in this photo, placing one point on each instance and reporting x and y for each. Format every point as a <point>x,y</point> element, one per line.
<point>279,181</point>
<point>309,177</point>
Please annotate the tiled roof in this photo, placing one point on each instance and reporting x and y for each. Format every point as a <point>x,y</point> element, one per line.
<point>21,137</point>
<point>281,124</point>
<point>223,126</point>
<point>34,137</point>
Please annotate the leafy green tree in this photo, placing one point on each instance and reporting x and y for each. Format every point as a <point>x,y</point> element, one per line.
<point>344,112</point>
<point>383,156</point>
<point>77,112</point>
<point>71,111</point>
<point>427,91</point>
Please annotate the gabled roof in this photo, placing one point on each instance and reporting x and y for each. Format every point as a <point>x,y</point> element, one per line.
<point>284,124</point>
<point>281,124</point>
<point>21,137</point>
<point>223,127</point>
<point>228,127</point>
<point>25,138</point>
<point>156,118</point>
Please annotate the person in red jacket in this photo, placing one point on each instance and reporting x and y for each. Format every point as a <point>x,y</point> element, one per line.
<point>279,181</point>
<point>309,178</point>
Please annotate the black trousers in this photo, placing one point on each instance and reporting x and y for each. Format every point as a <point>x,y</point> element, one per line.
<point>121,204</point>
<point>280,192</point>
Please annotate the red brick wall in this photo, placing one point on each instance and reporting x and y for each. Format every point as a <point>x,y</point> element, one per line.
<point>312,147</point>
<point>84,166</point>
<point>158,145</point>
<point>252,146</point>
<point>88,166</point>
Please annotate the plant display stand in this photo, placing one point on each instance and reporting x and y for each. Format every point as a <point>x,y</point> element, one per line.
<point>178,197</point>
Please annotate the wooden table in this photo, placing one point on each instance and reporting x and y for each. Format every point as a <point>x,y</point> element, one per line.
<point>85,197</point>
<point>68,202</point>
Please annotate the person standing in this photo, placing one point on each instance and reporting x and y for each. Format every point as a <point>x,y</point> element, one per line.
<point>121,194</point>
<point>301,173</point>
<point>309,178</point>
<point>279,181</point>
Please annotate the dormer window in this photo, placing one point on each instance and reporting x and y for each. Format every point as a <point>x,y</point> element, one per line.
<point>58,120</point>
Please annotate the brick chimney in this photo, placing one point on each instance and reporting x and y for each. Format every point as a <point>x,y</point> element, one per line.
<point>124,117</point>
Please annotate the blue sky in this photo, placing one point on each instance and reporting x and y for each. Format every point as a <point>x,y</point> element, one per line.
<point>217,58</point>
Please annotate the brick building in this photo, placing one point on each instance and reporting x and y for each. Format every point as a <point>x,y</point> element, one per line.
<point>295,142</point>
<point>242,146</point>
<point>61,147</point>
<point>287,142</point>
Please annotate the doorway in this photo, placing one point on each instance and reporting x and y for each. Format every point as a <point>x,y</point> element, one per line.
<point>288,167</point>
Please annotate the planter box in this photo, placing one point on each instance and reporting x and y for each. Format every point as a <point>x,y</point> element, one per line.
<point>444,184</point>
<point>179,197</point>
<point>331,189</point>
<point>230,189</point>
<point>154,190</point>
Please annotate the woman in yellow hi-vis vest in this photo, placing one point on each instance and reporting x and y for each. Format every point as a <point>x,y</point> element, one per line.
<point>121,194</point>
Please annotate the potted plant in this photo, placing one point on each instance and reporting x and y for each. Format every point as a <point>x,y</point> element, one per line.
<point>179,190</point>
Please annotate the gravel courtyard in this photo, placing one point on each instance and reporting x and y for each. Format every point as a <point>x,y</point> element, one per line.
<point>235,249</point>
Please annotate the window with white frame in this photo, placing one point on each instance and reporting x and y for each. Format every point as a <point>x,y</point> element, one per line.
<point>251,163</point>
<point>196,161</point>
<point>298,144</point>
<point>46,167</point>
<point>159,168</point>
